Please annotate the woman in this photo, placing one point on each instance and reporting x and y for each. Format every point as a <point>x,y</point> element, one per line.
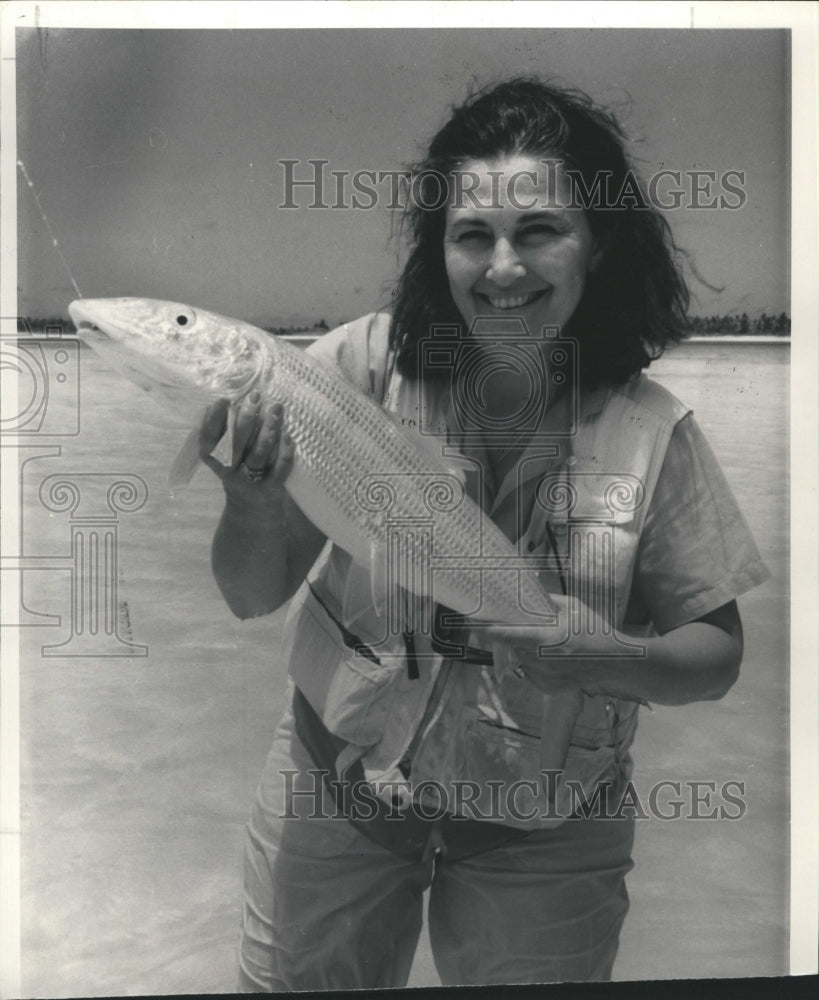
<point>533,251</point>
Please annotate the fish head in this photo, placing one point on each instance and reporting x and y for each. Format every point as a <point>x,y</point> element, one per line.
<point>184,354</point>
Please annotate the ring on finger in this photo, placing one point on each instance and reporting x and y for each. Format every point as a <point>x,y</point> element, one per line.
<point>254,475</point>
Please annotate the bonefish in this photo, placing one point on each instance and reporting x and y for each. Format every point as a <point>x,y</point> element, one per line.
<point>349,454</point>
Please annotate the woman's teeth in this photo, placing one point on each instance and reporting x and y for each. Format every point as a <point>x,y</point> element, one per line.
<point>512,302</point>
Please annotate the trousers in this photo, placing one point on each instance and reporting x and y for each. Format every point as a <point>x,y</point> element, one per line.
<point>328,908</point>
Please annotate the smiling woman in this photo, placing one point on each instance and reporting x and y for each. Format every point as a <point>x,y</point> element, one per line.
<point>520,153</point>
<point>516,346</point>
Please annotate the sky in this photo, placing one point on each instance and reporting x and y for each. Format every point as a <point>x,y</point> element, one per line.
<point>156,154</point>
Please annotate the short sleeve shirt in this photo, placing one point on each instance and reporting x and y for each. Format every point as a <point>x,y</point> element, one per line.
<point>696,551</point>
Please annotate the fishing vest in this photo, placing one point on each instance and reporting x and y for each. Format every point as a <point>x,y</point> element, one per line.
<point>461,737</point>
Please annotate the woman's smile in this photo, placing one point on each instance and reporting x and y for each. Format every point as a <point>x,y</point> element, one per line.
<point>511,300</point>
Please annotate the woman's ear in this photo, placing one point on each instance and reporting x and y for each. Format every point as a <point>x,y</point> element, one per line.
<point>597,254</point>
<point>602,242</point>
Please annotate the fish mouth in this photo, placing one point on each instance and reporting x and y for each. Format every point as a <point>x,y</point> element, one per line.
<point>83,320</point>
<point>86,326</point>
<point>96,338</point>
<point>99,329</point>
<point>105,340</point>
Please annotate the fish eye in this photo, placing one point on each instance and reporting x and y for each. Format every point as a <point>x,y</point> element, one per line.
<point>183,317</point>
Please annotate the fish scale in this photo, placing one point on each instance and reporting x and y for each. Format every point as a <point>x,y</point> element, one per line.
<point>388,449</point>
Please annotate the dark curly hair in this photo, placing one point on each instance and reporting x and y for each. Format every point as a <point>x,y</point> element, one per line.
<point>634,303</point>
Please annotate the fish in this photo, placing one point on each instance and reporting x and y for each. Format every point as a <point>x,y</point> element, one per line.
<point>356,469</point>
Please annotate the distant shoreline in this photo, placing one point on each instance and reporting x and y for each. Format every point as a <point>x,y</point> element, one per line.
<point>736,338</point>
<point>706,338</point>
<point>309,337</point>
<point>714,338</point>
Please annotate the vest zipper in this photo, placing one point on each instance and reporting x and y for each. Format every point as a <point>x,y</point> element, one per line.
<point>350,639</point>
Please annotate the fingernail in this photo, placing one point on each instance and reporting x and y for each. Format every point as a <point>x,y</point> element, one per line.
<point>255,396</point>
<point>277,409</point>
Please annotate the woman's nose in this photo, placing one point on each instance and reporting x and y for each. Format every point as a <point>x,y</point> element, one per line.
<point>505,267</point>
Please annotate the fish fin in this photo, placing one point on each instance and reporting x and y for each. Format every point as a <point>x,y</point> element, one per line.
<point>187,460</point>
<point>185,464</point>
<point>223,451</point>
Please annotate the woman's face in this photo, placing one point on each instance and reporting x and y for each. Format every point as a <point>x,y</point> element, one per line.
<point>511,246</point>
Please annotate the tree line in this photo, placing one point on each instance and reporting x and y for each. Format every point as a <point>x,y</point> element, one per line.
<point>309,328</point>
<point>736,323</point>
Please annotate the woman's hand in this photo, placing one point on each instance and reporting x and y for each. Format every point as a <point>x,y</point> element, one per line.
<point>694,662</point>
<point>264,546</point>
<point>262,455</point>
<point>562,657</point>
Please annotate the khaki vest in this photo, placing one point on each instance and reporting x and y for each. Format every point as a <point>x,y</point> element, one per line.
<point>456,724</point>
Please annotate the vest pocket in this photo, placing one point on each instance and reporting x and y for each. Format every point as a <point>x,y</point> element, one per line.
<point>505,764</point>
<point>352,694</point>
<point>587,769</point>
<point>512,760</point>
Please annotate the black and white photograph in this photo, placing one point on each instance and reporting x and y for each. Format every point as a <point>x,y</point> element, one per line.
<point>409,496</point>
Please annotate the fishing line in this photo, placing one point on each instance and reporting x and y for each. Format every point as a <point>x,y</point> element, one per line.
<point>55,242</point>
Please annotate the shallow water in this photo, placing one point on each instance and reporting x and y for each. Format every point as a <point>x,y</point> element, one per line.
<point>138,772</point>
<point>710,898</point>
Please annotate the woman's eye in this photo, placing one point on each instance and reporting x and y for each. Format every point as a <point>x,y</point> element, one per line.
<point>540,231</point>
<point>472,236</point>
